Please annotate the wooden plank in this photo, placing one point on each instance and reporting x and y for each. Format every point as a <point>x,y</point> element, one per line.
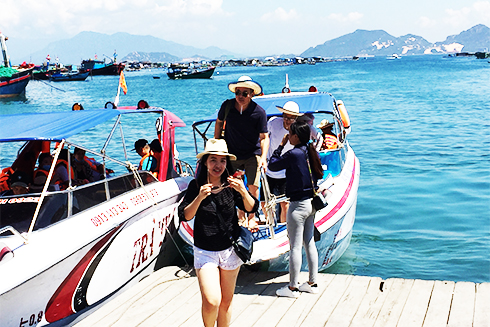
<point>482,306</point>
<point>113,309</point>
<point>349,303</point>
<point>329,299</point>
<point>371,304</point>
<point>252,307</point>
<point>463,306</point>
<point>415,309</point>
<point>440,304</point>
<point>397,294</point>
<point>302,306</point>
<point>176,311</point>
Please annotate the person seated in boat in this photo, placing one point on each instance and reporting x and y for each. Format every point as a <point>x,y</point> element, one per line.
<point>83,172</point>
<point>148,161</point>
<point>97,168</point>
<point>156,152</point>
<point>19,184</point>
<point>40,175</point>
<point>329,139</point>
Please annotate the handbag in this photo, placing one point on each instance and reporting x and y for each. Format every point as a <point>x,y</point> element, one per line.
<point>243,246</point>
<point>318,201</point>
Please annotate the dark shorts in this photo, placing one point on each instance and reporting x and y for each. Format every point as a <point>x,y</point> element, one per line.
<point>251,167</point>
<point>276,186</point>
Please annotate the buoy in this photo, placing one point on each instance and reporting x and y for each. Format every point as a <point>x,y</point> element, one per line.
<point>110,105</point>
<point>343,114</point>
<point>77,106</point>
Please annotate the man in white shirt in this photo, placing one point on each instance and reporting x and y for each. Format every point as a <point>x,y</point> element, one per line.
<point>277,128</point>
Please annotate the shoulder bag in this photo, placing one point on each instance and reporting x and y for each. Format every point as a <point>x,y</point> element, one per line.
<point>243,246</point>
<point>318,202</point>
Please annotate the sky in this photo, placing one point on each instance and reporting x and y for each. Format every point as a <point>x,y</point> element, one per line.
<point>253,27</point>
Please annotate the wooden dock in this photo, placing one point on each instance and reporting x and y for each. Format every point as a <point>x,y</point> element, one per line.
<point>171,297</point>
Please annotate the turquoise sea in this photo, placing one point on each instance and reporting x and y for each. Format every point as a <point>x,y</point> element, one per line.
<point>421,130</point>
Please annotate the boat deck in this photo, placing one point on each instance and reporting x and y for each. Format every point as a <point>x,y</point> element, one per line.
<point>170,297</point>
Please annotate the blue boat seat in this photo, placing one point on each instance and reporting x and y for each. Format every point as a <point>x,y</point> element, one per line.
<point>330,162</point>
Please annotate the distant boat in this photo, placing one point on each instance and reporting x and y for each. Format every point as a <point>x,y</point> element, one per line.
<point>70,76</point>
<point>176,71</point>
<point>393,57</point>
<point>100,67</point>
<point>13,80</point>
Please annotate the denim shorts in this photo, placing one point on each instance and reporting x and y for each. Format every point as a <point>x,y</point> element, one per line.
<point>225,259</point>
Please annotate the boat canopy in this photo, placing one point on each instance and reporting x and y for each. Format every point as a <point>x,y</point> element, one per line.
<point>309,102</point>
<point>56,126</point>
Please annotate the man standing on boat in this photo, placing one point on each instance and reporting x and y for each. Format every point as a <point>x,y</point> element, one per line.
<point>243,124</point>
<point>278,127</point>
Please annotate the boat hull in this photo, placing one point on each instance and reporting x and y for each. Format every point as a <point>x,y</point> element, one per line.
<point>334,222</point>
<point>15,85</point>
<point>82,261</point>
<point>201,74</point>
<point>69,77</point>
<point>97,67</point>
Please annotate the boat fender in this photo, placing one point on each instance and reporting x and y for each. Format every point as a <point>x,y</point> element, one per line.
<point>142,104</point>
<point>5,252</point>
<point>286,90</point>
<point>343,114</point>
<point>77,106</point>
<point>110,105</point>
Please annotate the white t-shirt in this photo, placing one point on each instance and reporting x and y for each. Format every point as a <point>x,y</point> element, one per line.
<point>277,131</point>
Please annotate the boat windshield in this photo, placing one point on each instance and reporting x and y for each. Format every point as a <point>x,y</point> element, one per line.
<point>18,210</point>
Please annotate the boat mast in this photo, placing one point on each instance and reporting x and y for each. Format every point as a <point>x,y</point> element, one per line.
<point>4,50</point>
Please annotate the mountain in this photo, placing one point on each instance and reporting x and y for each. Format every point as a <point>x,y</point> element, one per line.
<point>150,56</point>
<point>86,44</point>
<point>380,43</point>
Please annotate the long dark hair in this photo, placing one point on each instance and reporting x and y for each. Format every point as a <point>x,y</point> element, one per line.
<point>302,129</point>
<point>202,170</point>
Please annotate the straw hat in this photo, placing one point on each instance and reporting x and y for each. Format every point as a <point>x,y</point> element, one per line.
<point>246,81</point>
<point>218,147</point>
<point>290,108</point>
<point>324,124</point>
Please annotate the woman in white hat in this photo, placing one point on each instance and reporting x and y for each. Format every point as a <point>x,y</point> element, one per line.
<point>216,263</point>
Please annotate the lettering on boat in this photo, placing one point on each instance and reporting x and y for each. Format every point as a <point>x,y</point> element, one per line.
<point>33,319</point>
<point>109,213</point>
<point>29,199</point>
<point>145,245</point>
<point>143,197</point>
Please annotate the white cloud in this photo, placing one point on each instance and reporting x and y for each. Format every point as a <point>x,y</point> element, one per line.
<point>280,14</point>
<point>349,18</point>
<point>478,12</point>
<point>426,22</point>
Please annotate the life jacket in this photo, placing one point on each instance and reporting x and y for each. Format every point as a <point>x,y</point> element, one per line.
<point>4,177</point>
<point>158,157</point>
<point>65,164</point>
<point>329,142</point>
<point>140,167</point>
<point>91,162</point>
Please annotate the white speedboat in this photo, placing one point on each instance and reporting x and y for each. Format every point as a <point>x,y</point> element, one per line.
<point>339,186</point>
<point>64,252</point>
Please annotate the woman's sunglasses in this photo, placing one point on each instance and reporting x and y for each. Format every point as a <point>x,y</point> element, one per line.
<point>244,93</point>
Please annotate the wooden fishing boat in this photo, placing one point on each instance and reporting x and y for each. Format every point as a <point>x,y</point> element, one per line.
<point>69,76</point>
<point>187,72</point>
<point>13,80</point>
<point>339,186</point>
<point>100,67</point>
<point>65,252</point>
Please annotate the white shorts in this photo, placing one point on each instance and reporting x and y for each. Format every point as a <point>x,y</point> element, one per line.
<point>225,259</point>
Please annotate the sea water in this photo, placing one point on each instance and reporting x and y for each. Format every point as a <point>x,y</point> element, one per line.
<point>420,128</point>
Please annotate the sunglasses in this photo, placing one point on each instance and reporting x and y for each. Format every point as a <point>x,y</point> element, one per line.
<point>289,118</point>
<point>244,93</point>
<point>215,189</point>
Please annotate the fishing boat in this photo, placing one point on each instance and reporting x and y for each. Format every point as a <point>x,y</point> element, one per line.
<point>179,71</point>
<point>69,76</point>
<point>100,67</point>
<point>339,186</point>
<point>13,80</point>
<point>64,252</point>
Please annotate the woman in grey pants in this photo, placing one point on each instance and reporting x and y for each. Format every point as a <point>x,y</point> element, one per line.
<point>300,184</point>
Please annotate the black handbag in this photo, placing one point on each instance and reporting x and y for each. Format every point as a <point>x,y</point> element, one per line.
<point>243,246</point>
<point>318,201</point>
